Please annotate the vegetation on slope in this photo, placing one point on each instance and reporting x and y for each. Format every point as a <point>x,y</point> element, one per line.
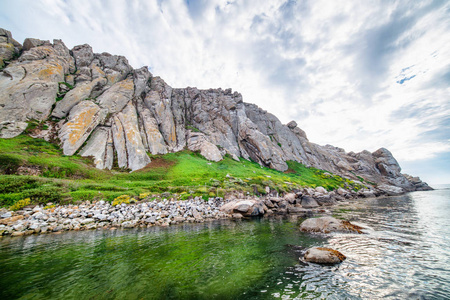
<point>36,169</point>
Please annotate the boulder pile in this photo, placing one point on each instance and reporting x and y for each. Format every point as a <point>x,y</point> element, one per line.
<point>102,214</point>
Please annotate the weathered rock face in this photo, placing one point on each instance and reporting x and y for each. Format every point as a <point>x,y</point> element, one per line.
<point>28,85</point>
<point>97,148</point>
<point>131,113</point>
<point>9,47</point>
<point>82,120</point>
<point>197,141</point>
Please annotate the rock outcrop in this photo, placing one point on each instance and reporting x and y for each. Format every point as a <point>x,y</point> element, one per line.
<point>122,114</point>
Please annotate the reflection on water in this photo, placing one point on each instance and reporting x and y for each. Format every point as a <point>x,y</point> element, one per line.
<point>405,254</point>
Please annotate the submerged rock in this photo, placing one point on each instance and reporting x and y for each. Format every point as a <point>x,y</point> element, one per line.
<point>321,255</point>
<point>328,224</point>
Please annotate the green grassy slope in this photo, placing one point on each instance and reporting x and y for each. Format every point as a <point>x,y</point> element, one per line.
<point>67,179</point>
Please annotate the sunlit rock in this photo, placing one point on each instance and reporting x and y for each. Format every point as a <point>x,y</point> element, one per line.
<point>321,255</point>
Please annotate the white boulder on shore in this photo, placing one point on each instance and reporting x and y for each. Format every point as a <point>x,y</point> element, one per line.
<point>246,208</point>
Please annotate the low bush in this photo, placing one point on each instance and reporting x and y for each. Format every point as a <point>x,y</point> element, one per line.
<point>121,199</point>
<point>20,204</point>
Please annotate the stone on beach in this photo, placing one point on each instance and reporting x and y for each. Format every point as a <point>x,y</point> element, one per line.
<point>246,208</point>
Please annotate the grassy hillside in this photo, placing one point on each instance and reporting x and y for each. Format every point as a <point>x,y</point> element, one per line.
<point>49,176</point>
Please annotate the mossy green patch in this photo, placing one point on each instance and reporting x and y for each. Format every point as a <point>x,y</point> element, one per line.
<point>184,174</point>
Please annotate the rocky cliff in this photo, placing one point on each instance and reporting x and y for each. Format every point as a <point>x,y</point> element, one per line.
<point>97,105</point>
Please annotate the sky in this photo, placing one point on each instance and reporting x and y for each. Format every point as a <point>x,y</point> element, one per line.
<point>353,74</point>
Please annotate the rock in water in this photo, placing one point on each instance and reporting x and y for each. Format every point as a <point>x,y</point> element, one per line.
<point>321,255</point>
<point>328,224</point>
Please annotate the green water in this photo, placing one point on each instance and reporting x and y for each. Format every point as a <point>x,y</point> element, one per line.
<point>221,260</point>
<point>404,254</point>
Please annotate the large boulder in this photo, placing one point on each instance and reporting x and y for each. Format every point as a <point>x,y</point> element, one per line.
<point>197,141</point>
<point>309,202</point>
<point>321,255</point>
<point>246,208</point>
<point>390,190</point>
<point>327,225</point>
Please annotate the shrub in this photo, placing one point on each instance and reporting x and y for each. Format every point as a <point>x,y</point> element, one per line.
<point>9,164</point>
<point>20,204</point>
<point>143,195</point>
<point>45,194</point>
<point>15,184</point>
<point>121,199</point>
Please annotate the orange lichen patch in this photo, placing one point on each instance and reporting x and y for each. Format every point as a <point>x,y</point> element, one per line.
<point>112,78</point>
<point>352,227</point>
<point>50,71</point>
<point>173,135</point>
<point>127,84</point>
<point>97,69</point>
<point>336,253</point>
<point>79,125</point>
<point>131,135</point>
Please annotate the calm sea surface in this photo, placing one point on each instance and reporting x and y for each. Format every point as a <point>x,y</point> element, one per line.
<point>405,254</point>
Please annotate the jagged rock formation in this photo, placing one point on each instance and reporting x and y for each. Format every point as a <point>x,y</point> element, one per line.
<point>102,108</point>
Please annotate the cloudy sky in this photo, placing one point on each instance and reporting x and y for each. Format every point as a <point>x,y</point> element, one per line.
<point>354,74</point>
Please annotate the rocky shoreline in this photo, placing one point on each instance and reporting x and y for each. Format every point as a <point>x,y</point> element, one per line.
<point>164,212</point>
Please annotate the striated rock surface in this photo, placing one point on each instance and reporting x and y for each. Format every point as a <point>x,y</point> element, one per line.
<point>132,113</point>
<point>135,151</point>
<point>96,147</point>
<point>82,120</point>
